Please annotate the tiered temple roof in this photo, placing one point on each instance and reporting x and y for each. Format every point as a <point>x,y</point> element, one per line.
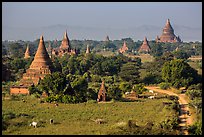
<point>65,47</point>
<point>124,48</point>
<point>145,46</point>
<point>40,66</point>
<point>168,34</point>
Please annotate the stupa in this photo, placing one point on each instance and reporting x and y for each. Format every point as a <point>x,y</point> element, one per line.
<point>168,34</point>
<point>27,53</point>
<point>102,93</point>
<point>124,48</point>
<point>40,66</point>
<point>87,49</point>
<point>144,47</point>
<point>107,39</point>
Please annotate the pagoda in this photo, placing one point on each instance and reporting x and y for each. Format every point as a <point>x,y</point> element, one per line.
<point>124,48</point>
<point>145,46</point>
<point>65,47</point>
<point>40,66</point>
<point>27,53</point>
<point>168,34</point>
<point>107,39</point>
<point>87,49</point>
<point>102,93</point>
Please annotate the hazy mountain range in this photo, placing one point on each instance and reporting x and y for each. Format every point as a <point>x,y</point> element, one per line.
<point>92,33</point>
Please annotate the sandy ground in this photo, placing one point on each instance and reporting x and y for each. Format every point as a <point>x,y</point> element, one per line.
<point>183,102</point>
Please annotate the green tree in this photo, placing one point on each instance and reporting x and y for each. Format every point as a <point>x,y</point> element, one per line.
<point>130,72</point>
<point>55,83</point>
<point>179,73</point>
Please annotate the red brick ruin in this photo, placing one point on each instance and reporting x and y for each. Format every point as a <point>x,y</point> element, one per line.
<point>145,46</point>
<point>40,66</point>
<point>87,49</point>
<point>124,48</point>
<point>102,93</point>
<point>168,34</point>
<point>65,47</point>
<point>27,53</point>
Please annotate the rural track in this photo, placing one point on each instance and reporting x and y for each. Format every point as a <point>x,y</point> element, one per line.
<point>183,103</point>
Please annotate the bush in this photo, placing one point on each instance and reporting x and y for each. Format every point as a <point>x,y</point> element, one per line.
<point>195,129</point>
<point>139,88</point>
<point>164,85</point>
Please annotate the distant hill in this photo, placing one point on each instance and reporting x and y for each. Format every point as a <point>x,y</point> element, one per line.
<point>80,32</point>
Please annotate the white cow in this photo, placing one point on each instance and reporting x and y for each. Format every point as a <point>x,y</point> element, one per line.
<point>151,91</point>
<point>34,124</point>
<point>151,97</point>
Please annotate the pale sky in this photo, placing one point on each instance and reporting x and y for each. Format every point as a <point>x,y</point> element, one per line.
<point>113,15</point>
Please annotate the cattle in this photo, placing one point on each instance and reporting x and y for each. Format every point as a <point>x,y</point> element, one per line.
<point>34,124</point>
<point>151,97</point>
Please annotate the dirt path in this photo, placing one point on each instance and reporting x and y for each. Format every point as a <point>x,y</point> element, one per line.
<point>184,117</point>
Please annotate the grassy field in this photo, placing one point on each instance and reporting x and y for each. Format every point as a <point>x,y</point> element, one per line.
<point>78,118</point>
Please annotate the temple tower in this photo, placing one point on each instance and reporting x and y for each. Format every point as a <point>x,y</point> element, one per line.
<point>145,46</point>
<point>65,43</point>
<point>102,93</point>
<point>27,53</point>
<point>40,66</point>
<point>168,34</point>
<point>107,39</point>
<point>87,49</point>
<point>124,48</point>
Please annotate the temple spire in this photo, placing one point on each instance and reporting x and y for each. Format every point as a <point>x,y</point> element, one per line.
<point>27,53</point>
<point>102,92</point>
<point>87,49</point>
<point>145,46</point>
<point>41,58</point>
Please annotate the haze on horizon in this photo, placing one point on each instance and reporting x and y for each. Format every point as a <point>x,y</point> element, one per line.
<point>95,20</point>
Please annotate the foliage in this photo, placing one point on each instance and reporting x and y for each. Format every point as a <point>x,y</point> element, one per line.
<point>130,72</point>
<point>178,73</point>
<point>195,129</point>
<point>139,88</point>
<point>114,92</point>
<point>164,85</point>
<point>125,87</point>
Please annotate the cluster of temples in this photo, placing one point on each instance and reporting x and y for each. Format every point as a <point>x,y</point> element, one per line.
<point>42,64</point>
<point>167,36</point>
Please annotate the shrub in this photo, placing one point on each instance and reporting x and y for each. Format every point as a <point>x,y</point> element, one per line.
<point>164,85</point>
<point>139,88</point>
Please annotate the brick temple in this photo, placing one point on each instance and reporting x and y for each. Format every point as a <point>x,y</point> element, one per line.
<point>27,53</point>
<point>168,34</point>
<point>124,48</point>
<point>65,47</point>
<point>102,93</point>
<point>40,66</point>
<point>88,50</point>
<point>144,47</point>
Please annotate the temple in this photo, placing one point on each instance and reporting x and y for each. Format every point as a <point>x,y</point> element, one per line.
<point>124,48</point>
<point>40,66</point>
<point>107,39</point>
<point>168,34</point>
<point>27,53</point>
<point>144,47</point>
<point>87,49</point>
<point>102,93</point>
<point>65,47</point>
